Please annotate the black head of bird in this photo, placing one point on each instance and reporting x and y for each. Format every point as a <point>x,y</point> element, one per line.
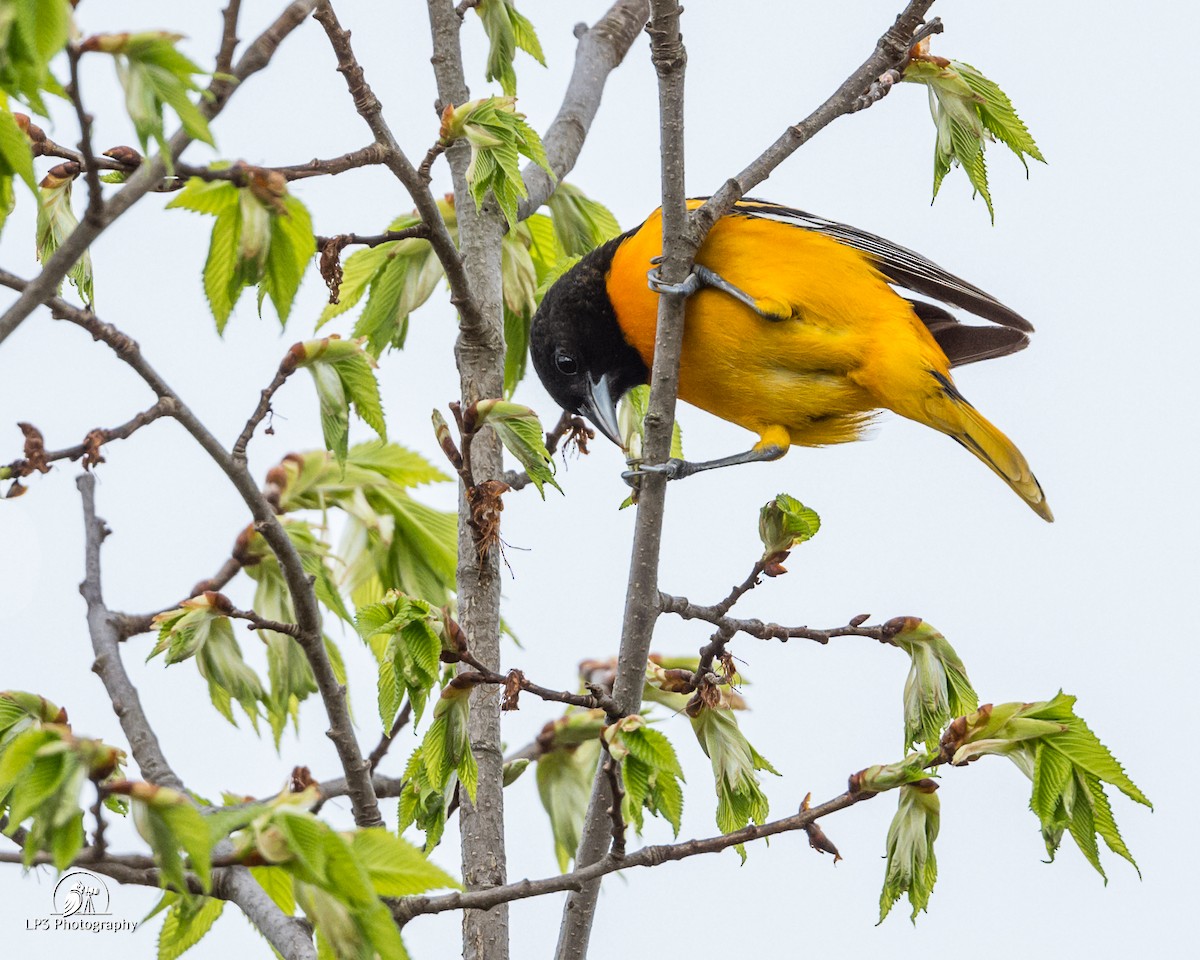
<point>578,350</point>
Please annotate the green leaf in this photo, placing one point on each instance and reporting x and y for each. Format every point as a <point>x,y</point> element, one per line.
<point>56,221</point>
<point>32,32</point>
<point>186,924</point>
<point>16,159</point>
<point>911,862</point>
<point>580,223</point>
<point>397,868</point>
<point>265,241</point>
<point>292,246</point>
<point>631,417</point>
<point>154,75</point>
<point>344,376</point>
<point>521,432</point>
<point>650,770</point>
<point>169,822</point>
<point>507,31</point>
<point>278,885</point>
<point>564,781</point>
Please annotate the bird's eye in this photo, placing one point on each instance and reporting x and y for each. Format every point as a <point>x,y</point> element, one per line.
<point>566,364</point>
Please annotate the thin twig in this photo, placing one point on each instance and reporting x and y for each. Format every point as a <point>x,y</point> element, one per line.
<point>418,232</point>
<point>95,204</point>
<point>262,623</point>
<point>683,607</point>
<point>616,789</point>
<point>131,624</point>
<point>90,447</point>
<point>740,590</point>
<point>229,39</point>
<point>127,160</point>
<point>286,368</point>
<point>408,907</point>
<point>370,109</point>
<point>855,93</point>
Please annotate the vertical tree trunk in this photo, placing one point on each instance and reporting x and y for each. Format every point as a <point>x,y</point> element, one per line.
<point>641,596</point>
<point>479,353</point>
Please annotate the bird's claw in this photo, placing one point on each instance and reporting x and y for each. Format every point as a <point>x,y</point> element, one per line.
<point>686,288</point>
<point>673,469</point>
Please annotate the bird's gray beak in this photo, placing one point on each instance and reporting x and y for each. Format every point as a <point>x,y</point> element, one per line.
<point>601,409</point>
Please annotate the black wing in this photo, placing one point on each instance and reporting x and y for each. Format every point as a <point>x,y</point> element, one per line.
<point>900,265</point>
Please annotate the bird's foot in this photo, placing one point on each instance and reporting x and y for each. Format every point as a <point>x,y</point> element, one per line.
<point>698,279</point>
<point>673,469</point>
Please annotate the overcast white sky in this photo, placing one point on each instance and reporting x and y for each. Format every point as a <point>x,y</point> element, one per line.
<point>1096,249</point>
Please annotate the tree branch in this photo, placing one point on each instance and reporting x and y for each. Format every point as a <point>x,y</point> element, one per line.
<point>143,743</point>
<point>683,607</point>
<point>409,907</point>
<point>304,602</point>
<point>857,92</point>
<point>370,109</point>
<point>127,160</point>
<point>479,355</point>
<point>641,598</point>
<point>43,287</point>
<point>89,449</point>
<point>600,51</point>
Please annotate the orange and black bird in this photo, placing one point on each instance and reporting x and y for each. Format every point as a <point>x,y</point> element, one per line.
<point>793,330</point>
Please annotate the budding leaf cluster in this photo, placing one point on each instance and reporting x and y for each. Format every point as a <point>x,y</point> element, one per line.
<point>262,237</point>
<point>405,634</point>
<point>344,375</point>
<point>507,31</point>
<point>566,767</point>
<point>650,772</point>
<point>200,628</point>
<point>499,137</point>
<point>56,221</point>
<point>43,767</point>
<point>338,878</point>
<point>1066,762</point>
<point>735,763</point>
<point>969,110</point>
<point>937,689</point>
<point>784,523</point>
<point>911,863</point>
<point>442,762</point>
<point>390,540</point>
<point>398,276</point>
<point>154,75</point>
<point>521,432</point>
